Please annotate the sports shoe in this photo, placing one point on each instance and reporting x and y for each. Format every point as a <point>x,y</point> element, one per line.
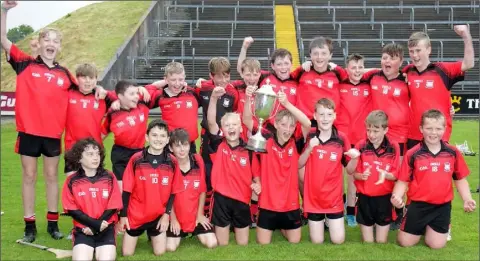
<point>70,236</point>
<point>52,229</point>
<point>449,236</point>
<point>351,221</point>
<point>30,233</point>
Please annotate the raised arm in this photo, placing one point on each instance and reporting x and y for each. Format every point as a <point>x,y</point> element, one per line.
<point>298,114</point>
<point>247,116</point>
<point>6,44</point>
<point>243,53</point>
<point>468,52</point>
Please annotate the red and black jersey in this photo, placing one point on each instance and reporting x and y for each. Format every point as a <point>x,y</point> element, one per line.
<point>91,195</point>
<point>429,175</point>
<point>41,95</point>
<point>430,89</point>
<point>233,169</point>
<point>179,111</point>
<point>392,97</point>
<point>149,179</point>
<point>323,185</point>
<point>355,105</point>
<point>288,86</point>
<point>128,126</point>
<point>227,103</point>
<point>312,86</point>
<point>385,157</point>
<point>187,187</point>
<point>279,172</point>
<point>84,117</point>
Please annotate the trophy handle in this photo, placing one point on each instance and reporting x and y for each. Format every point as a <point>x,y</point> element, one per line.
<point>274,111</point>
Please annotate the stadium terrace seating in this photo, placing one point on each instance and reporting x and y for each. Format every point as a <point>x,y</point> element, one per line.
<point>194,31</point>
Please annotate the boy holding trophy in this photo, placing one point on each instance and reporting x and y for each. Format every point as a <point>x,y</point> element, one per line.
<point>279,206</point>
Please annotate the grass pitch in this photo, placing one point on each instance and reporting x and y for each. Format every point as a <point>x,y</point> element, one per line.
<point>464,245</point>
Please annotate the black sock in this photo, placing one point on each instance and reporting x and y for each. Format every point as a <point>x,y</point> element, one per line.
<point>351,211</point>
<point>399,212</point>
<point>344,198</point>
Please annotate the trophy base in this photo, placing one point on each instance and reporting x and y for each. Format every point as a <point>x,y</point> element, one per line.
<point>258,150</point>
<point>257,143</point>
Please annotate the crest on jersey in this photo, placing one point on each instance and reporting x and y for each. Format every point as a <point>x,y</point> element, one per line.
<point>142,117</point>
<point>293,91</point>
<point>196,184</point>
<point>243,161</point>
<point>226,102</point>
<point>333,156</point>
<point>429,84</point>
<point>330,84</point>
<point>189,104</point>
<point>290,152</point>
<point>165,181</point>
<point>446,168</point>
<point>385,89</point>
<point>365,92</point>
<point>105,193</point>
<point>60,81</point>
<point>95,105</point>
<point>396,92</point>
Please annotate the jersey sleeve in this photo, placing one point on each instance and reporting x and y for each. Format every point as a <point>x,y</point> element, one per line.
<point>341,73</point>
<point>215,141</point>
<point>297,73</point>
<point>453,72</point>
<point>155,95</point>
<point>461,169</point>
<point>106,123</point>
<point>115,200</point>
<point>68,199</point>
<point>407,68</point>
<point>394,168</point>
<point>110,98</point>
<point>177,184</point>
<point>406,170</point>
<point>18,59</point>
<point>346,147</point>
<point>129,176</point>
<point>368,75</point>
<point>201,164</point>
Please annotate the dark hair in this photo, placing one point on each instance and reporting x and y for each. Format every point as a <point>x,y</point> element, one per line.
<point>393,49</point>
<point>157,123</point>
<point>179,136</point>
<point>320,42</point>
<point>432,114</point>
<point>354,57</point>
<point>122,86</point>
<point>74,155</point>
<point>280,53</point>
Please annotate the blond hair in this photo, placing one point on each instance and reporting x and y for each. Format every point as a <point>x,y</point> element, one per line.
<point>432,114</point>
<point>229,115</point>
<point>174,68</point>
<point>326,103</point>
<point>416,37</point>
<point>284,113</point>
<point>45,31</point>
<point>219,65</point>
<point>252,65</point>
<point>377,118</point>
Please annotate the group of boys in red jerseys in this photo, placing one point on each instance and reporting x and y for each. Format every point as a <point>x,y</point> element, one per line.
<point>381,127</point>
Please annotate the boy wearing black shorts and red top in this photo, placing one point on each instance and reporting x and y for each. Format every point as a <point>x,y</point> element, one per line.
<point>234,176</point>
<point>189,189</point>
<point>92,198</point>
<point>427,172</point>
<point>327,150</point>
<point>148,180</point>
<point>375,172</point>
<point>430,83</point>
<point>40,114</point>
<point>178,102</point>
<point>128,126</point>
<point>279,205</point>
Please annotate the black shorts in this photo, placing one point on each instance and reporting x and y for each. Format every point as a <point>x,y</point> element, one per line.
<point>316,217</point>
<point>411,143</point>
<point>104,238</point>
<point>374,210</point>
<point>227,211</point>
<point>419,215</point>
<point>120,157</point>
<point>199,230</point>
<point>150,227</point>
<point>273,220</point>
<point>35,146</point>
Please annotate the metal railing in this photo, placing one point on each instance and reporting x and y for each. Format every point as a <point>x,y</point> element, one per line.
<point>298,31</point>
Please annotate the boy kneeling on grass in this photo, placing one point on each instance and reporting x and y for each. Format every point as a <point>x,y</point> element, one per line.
<point>375,172</point>
<point>427,171</point>
<point>91,196</point>
<point>189,189</point>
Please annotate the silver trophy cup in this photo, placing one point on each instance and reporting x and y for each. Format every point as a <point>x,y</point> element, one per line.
<point>264,102</point>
